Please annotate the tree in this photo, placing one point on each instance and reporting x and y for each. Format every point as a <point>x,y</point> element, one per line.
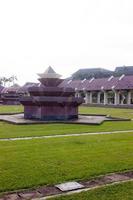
<point>12,79</point>
<point>4,80</point>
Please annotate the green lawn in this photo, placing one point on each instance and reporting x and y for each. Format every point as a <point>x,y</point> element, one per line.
<point>26,164</point>
<point>10,109</point>
<point>11,131</point>
<point>114,112</point>
<point>36,162</point>
<point>122,191</point>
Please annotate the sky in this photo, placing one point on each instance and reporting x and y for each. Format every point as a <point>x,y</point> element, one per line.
<point>65,34</point>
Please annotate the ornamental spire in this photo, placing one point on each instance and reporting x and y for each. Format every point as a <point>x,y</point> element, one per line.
<point>49,73</point>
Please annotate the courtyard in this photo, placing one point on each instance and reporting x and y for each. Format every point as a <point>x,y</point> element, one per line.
<point>26,164</point>
<point>66,100</point>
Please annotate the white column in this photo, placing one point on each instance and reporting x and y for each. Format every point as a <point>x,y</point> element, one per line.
<point>76,94</point>
<point>117,98</point>
<point>98,97</point>
<point>87,97</point>
<point>90,98</point>
<point>129,97</point>
<point>105,98</point>
<point>122,99</point>
<point>79,94</point>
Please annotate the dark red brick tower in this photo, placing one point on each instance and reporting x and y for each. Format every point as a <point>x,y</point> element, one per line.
<point>50,102</point>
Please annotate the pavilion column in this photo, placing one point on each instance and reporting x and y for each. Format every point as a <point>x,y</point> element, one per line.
<point>105,98</point>
<point>79,94</point>
<point>76,94</point>
<point>98,97</point>
<point>90,99</point>
<point>87,97</point>
<point>129,97</point>
<point>117,98</point>
<point>122,99</point>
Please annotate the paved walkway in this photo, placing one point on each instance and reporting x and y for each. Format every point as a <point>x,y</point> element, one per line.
<point>82,119</point>
<point>65,135</point>
<point>48,192</point>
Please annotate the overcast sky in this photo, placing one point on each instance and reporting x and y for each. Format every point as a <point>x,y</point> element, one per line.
<point>66,34</point>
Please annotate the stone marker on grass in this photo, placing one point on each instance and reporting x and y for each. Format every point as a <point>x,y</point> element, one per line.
<point>68,186</point>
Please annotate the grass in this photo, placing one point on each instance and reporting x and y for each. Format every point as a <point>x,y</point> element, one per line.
<point>11,131</point>
<point>122,191</point>
<point>114,112</point>
<point>25,164</point>
<point>10,109</point>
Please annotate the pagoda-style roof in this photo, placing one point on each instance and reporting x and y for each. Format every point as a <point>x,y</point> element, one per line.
<point>49,73</point>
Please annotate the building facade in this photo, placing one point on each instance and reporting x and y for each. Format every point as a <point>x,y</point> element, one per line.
<point>113,91</point>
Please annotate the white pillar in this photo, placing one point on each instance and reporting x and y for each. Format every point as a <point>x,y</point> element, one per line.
<point>76,94</point>
<point>98,97</point>
<point>90,98</point>
<point>122,99</point>
<point>129,97</point>
<point>117,98</point>
<point>105,98</point>
<point>87,97</point>
<point>79,94</point>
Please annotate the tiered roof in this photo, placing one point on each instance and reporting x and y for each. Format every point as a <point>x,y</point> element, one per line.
<point>119,83</point>
<point>127,70</point>
<point>91,72</point>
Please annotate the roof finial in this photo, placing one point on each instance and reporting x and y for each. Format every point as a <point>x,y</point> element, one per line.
<point>49,73</point>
